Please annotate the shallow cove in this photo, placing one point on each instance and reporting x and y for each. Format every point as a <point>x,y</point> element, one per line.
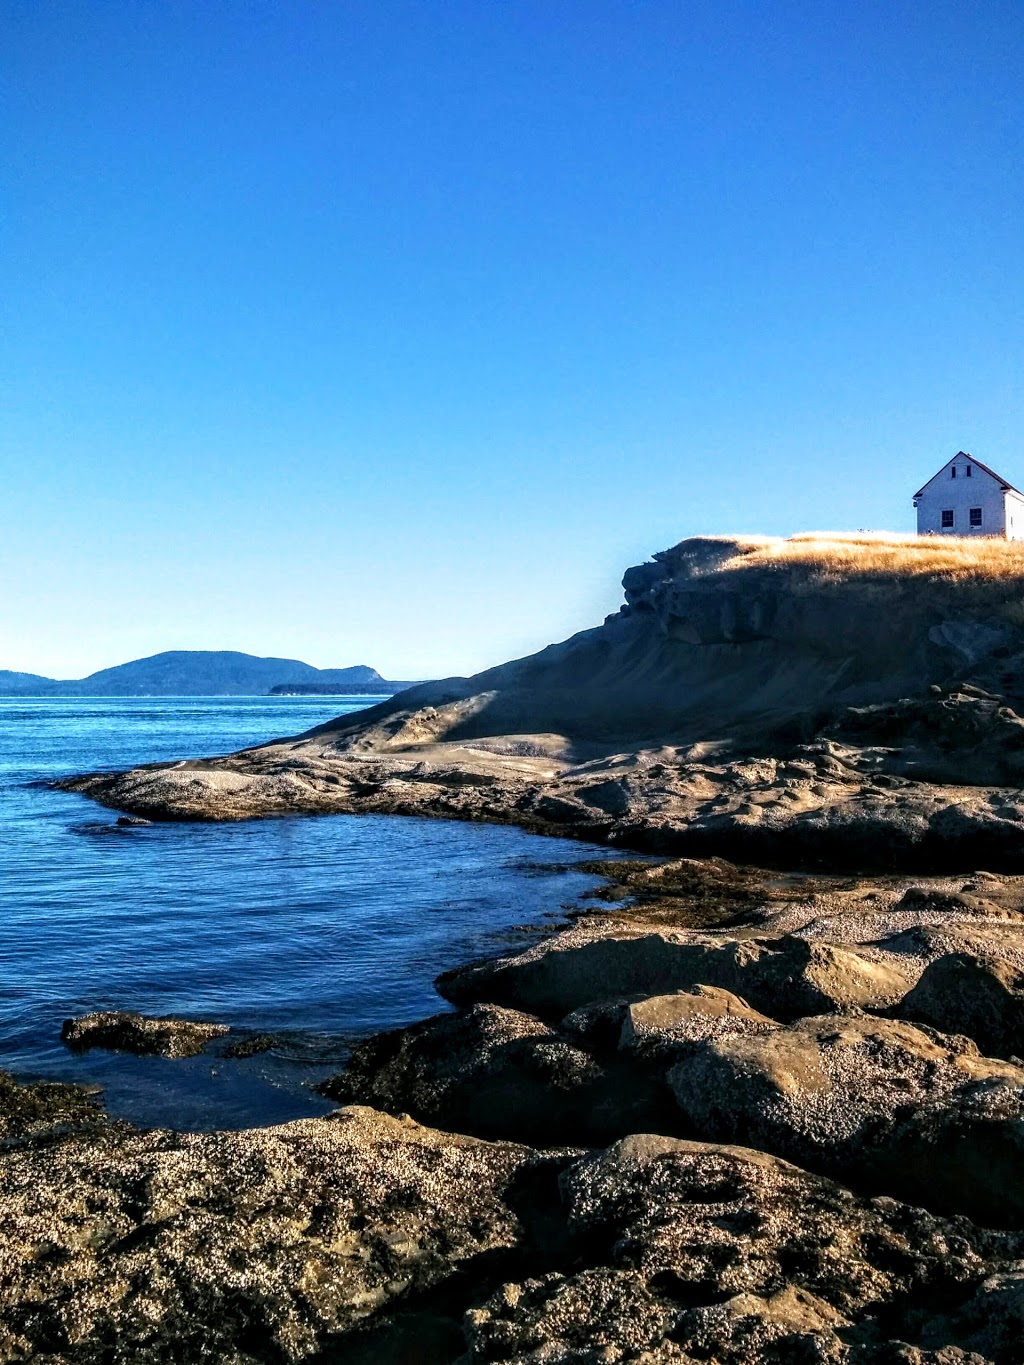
<point>318,929</point>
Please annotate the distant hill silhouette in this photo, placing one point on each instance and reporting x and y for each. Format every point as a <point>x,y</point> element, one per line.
<point>195,673</point>
<point>17,682</point>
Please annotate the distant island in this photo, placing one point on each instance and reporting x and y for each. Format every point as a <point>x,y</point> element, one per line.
<point>205,673</point>
<point>339,689</point>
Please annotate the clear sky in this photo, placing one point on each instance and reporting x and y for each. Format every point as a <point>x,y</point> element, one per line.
<point>385,332</point>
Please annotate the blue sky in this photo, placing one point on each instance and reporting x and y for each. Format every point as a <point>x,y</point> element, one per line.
<point>393,332</point>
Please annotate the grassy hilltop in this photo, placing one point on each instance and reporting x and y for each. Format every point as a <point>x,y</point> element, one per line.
<point>835,555</point>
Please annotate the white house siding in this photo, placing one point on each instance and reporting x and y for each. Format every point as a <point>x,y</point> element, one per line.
<point>1014,516</point>
<point>959,495</point>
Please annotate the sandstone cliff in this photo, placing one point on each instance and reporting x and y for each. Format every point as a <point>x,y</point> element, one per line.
<point>718,635</point>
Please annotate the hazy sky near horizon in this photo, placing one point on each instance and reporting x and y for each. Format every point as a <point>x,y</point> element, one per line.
<point>392,333</point>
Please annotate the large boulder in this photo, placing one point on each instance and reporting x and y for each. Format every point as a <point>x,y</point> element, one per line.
<point>789,977</point>
<point>561,974</point>
<point>268,1245</point>
<point>875,1101</point>
<point>982,996</point>
<point>496,1073</point>
<point>124,1031</point>
<point>696,1252</point>
<point>782,977</point>
<point>936,935</point>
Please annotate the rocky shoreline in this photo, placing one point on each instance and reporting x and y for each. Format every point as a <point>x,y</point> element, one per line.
<point>725,1115</point>
<point>761,1104</point>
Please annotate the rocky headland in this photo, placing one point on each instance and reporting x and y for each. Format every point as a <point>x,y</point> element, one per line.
<point>841,702</point>
<point>759,1101</point>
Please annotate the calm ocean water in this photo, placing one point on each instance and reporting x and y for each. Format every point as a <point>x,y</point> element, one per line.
<point>319,929</point>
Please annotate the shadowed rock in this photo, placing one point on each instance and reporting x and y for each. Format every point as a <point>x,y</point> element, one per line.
<point>991,1322</point>
<point>267,1245</point>
<point>45,1108</point>
<point>967,993</point>
<point>122,1031</point>
<point>495,1072</point>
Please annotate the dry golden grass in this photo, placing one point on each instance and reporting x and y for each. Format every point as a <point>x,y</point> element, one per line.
<point>841,554</point>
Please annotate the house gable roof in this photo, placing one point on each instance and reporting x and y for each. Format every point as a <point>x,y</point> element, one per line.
<point>1005,486</point>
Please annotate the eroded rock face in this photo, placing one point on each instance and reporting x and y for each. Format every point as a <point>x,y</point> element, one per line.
<point>943,730</point>
<point>879,1102</point>
<point>495,1072</point>
<point>981,996</point>
<point>264,1245</point>
<point>123,1031</point>
<point>783,977</point>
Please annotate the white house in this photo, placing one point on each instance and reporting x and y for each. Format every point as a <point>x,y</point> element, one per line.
<point>966,498</point>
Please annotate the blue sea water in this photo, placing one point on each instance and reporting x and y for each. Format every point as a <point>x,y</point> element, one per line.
<point>318,929</point>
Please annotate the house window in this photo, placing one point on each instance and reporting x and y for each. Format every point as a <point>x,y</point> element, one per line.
<point>947,519</point>
<point>975,516</point>
<point>967,472</point>
<point>952,472</point>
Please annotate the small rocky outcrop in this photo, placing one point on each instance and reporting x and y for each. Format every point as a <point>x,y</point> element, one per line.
<point>884,1104</point>
<point>46,1108</point>
<point>784,977</point>
<point>251,1045</point>
<point>496,1072</point>
<point>982,996</point>
<point>123,1031</point>
<point>661,1024</point>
